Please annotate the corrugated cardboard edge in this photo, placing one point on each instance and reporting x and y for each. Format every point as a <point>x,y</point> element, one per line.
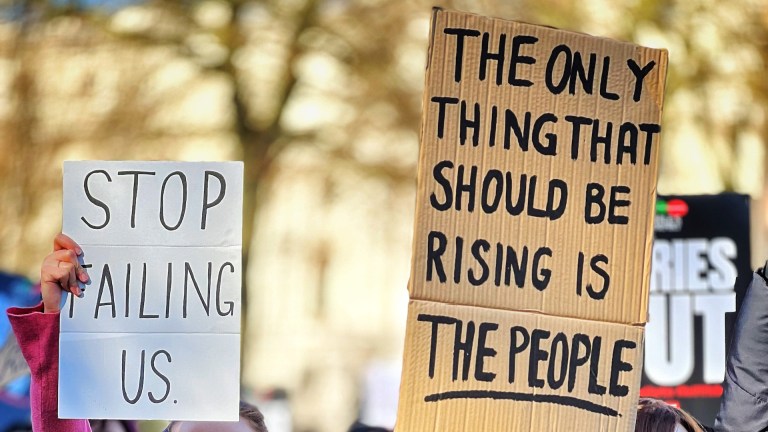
<point>438,9</point>
<point>424,102</point>
<point>660,88</point>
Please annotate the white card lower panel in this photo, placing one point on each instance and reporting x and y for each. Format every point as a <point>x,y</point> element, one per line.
<point>185,376</point>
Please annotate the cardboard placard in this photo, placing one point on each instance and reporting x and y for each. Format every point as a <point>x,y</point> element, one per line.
<point>158,330</point>
<point>536,186</point>
<point>488,369</point>
<point>701,268</point>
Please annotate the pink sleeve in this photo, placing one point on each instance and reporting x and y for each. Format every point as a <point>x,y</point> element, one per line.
<point>38,336</point>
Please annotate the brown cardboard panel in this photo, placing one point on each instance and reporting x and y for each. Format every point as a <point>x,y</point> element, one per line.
<point>517,131</point>
<point>569,374</point>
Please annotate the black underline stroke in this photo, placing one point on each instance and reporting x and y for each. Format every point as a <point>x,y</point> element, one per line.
<point>525,397</point>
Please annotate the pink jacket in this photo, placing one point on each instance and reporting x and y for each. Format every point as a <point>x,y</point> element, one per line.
<point>38,336</point>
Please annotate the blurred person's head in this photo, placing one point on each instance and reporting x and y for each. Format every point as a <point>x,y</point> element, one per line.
<point>251,420</point>
<point>654,415</point>
<point>113,426</point>
<point>360,427</point>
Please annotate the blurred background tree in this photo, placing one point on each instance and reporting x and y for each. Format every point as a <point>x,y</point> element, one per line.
<point>321,100</point>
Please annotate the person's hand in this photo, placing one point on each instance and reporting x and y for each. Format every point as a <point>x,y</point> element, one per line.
<point>60,272</point>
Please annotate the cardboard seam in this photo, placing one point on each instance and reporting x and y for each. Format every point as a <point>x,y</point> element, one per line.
<point>640,325</point>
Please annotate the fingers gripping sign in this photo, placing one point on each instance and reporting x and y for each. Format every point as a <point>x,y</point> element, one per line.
<point>61,271</point>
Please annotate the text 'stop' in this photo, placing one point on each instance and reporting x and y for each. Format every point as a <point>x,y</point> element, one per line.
<point>154,203</point>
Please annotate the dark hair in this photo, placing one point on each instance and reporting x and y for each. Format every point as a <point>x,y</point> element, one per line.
<point>360,427</point>
<point>253,416</point>
<point>101,425</point>
<point>250,414</point>
<point>654,415</point>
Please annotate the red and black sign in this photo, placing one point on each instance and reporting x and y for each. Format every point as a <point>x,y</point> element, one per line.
<point>701,265</point>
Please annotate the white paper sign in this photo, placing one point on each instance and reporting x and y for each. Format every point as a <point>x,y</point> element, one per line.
<point>157,334</point>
